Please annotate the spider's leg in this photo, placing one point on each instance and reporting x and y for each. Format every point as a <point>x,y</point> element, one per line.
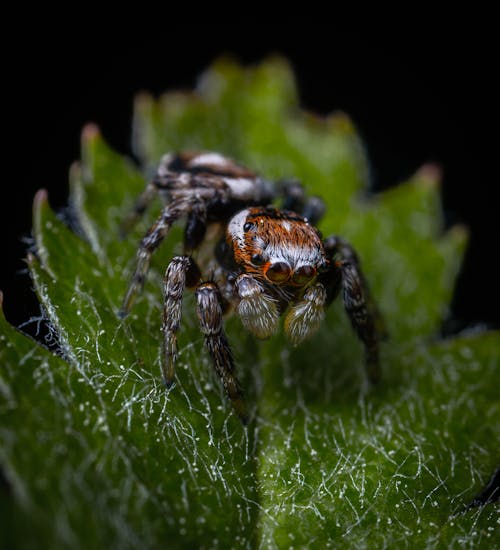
<point>305,317</point>
<point>140,206</point>
<point>345,274</point>
<point>154,236</point>
<point>337,246</point>
<point>362,320</point>
<point>163,182</point>
<point>295,199</point>
<point>293,194</point>
<point>314,209</point>
<point>182,271</point>
<point>196,226</point>
<point>209,309</point>
<point>258,311</point>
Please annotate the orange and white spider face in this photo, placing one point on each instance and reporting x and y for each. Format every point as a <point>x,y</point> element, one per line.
<point>277,246</point>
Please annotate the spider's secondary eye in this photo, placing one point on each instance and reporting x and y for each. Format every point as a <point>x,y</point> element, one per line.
<point>279,272</point>
<point>258,259</point>
<point>248,226</point>
<point>304,274</point>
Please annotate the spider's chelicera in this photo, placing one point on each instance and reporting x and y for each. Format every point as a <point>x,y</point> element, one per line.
<point>252,258</point>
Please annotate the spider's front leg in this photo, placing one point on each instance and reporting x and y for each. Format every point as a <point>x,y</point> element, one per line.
<point>210,311</point>
<point>345,274</point>
<point>155,235</point>
<point>162,183</point>
<point>182,271</point>
<point>141,204</point>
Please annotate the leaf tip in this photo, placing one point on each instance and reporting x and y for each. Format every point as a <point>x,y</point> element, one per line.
<point>429,175</point>
<point>143,99</point>
<point>341,122</point>
<point>459,233</point>
<point>90,132</point>
<point>40,199</point>
<point>30,258</point>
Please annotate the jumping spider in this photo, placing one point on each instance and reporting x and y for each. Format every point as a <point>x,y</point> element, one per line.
<point>266,261</point>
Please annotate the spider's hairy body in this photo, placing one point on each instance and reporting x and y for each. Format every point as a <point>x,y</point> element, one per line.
<point>266,262</point>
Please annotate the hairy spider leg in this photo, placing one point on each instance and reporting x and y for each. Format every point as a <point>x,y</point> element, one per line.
<point>196,227</point>
<point>141,204</point>
<point>337,245</point>
<point>163,182</point>
<point>209,309</point>
<point>154,236</point>
<point>295,199</point>
<point>345,274</point>
<point>182,271</point>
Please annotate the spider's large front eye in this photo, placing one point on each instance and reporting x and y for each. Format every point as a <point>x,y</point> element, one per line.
<point>278,272</point>
<point>304,274</point>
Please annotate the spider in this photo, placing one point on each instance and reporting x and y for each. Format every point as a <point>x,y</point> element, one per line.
<point>261,261</point>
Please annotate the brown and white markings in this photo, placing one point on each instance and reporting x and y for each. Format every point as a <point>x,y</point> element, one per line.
<point>266,262</point>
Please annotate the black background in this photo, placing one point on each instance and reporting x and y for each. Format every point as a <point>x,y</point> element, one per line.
<point>415,96</point>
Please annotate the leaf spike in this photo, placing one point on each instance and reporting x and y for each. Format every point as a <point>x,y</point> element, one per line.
<point>40,199</point>
<point>430,174</point>
<point>90,132</point>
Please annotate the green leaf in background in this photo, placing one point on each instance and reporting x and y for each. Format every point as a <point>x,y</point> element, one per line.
<point>94,452</point>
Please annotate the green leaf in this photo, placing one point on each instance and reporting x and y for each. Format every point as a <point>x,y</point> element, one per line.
<point>95,452</point>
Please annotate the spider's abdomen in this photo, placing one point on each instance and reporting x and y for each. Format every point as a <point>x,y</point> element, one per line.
<point>206,172</point>
<point>280,246</point>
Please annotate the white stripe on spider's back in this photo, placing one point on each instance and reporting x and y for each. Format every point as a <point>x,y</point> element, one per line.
<point>164,165</point>
<point>242,189</point>
<point>209,159</point>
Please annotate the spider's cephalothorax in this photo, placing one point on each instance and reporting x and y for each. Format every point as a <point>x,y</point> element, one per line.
<point>266,262</point>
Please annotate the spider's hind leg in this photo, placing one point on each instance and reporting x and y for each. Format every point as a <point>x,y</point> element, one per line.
<point>210,311</point>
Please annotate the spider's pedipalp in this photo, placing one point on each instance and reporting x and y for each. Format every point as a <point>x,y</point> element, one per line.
<point>209,309</point>
<point>258,311</point>
<point>305,317</point>
<point>182,271</point>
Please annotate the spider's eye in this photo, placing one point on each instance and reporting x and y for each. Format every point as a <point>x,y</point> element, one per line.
<point>248,226</point>
<point>304,274</point>
<point>278,272</point>
<point>257,259</point>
